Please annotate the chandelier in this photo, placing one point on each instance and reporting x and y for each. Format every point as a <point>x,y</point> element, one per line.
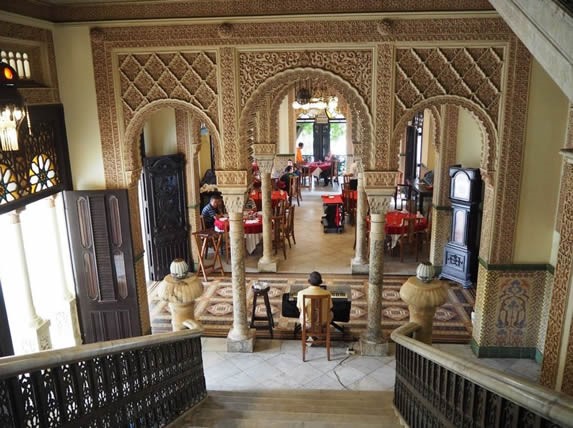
<point>13,110</point>
<point>308,98</point>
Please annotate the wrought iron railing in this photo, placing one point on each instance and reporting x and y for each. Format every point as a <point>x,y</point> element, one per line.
<point>436,389</point>
<point>139,382</point>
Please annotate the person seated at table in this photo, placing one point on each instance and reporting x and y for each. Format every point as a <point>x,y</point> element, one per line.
<point>284,180</point>
<point>251,205</point>
<point>211,211</point>
<point>315,281</point>
<point>325,174</point>
<point>298,158</point>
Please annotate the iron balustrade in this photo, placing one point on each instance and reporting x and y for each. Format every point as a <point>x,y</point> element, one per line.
<point>436,389</point>
<point>146,381</point>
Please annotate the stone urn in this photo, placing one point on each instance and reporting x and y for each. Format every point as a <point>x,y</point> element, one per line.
<point>179,290</point>
<point>423,295</point>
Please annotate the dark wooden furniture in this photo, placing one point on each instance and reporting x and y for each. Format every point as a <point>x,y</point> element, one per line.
<point>420,192</point>
<point>262,291</point>
<point>209,239</point>
<point>461,252</point>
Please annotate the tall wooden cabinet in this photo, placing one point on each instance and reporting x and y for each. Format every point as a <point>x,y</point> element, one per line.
<point>461,252</point>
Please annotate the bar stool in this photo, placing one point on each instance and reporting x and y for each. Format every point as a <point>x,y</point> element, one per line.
<point>205,239</point>
<point>262,289</point>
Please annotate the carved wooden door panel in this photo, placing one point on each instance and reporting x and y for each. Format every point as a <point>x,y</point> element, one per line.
<point>6,348</point>
<point>165,213</point>
<point>321,143</point>
<point>102,257</point>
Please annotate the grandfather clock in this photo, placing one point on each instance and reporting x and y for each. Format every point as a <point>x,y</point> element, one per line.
<point>461,252</point>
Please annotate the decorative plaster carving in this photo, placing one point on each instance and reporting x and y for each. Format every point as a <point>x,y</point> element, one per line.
<point>266,165</point>
<point>228,64</point>
<point>376,152</point>
<point>378,203</point>
<point>261,149</point>
<point>225,30</point>
<point>234,200</point>
<point>232,178</point>
<point>380,179</point>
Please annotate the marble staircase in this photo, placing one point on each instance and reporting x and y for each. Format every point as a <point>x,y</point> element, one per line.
<point>296,408</point>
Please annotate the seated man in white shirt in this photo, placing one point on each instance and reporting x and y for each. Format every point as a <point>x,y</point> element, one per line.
<point>315,280</point>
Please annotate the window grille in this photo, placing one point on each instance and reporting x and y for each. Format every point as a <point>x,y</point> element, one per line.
<point>19,61</point>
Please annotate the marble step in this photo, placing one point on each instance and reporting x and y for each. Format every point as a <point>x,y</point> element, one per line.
<point>314,409</point>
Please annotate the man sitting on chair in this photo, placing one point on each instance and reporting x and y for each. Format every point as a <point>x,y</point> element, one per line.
<point>315,280</point>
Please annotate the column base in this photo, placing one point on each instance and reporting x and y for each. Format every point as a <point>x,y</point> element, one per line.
<point>373,349</point>
<point>36,339</point>
<point>65,328</point>
<point>359,266</point>
<point>270,265</point>
<point>246,345</point>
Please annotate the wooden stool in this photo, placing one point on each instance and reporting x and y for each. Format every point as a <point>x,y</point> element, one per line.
<point>205,239</point>
<point>269,317</point>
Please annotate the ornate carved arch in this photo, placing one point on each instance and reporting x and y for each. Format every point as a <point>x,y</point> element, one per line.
<point>140,116</point>
<point>357,104</point>
<point>489,133</point>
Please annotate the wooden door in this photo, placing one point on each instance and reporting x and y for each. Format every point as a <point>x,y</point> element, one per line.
<point>102,257</point>
<point>165,213</point>
<point>6,348</point>
<point>321,138</point>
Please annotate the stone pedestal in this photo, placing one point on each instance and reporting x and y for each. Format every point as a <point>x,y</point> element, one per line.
<point>244,343</point>
<point>423,298</point>
<point>181,295</point>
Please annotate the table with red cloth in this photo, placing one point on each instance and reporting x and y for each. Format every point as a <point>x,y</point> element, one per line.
<point>394,226</point>
<point>324,166</point>
<point>253,226</point>
<point>333,219</point>
<point>276,195</point>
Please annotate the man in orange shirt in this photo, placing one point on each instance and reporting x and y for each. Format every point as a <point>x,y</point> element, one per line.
<point>298,158</point>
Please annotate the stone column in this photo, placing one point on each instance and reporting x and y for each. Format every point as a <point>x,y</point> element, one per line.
<point>65,324</point>
<point>379,187</point>
<point>360,262</point>
<point>264,154</point>
<point>37,335</point>
<point>233,185</point>
<point>423,298</point>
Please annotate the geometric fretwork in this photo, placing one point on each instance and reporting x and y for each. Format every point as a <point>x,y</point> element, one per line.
<point>186,76</point>
<point>471,73</point>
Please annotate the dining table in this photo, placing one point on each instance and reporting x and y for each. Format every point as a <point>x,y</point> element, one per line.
<point>395,227</point>
<point>252,224</point>
<point>276,195</point>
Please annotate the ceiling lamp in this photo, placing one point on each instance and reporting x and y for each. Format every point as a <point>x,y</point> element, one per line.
<point>308,99</point>
<point>13,110</point>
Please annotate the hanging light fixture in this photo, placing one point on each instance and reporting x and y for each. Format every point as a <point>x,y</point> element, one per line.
<point>307,98</point>
<point>13,110</point>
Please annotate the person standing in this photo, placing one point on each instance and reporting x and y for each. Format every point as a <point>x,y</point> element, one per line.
<point>298,158</point>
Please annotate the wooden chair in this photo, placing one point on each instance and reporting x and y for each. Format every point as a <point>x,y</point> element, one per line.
<point>407,239</point>
<point>279,208</point>
<point>278,233</point>
<point>205,239</point>
<point>294,189</point>
<point>305,177</point>
<point>289,228</point>
<point>318,326</point>
<point>424,236</point>
<point>226,242</point>
<point>334,171</point>
<point>349,203</point>
<point>202,222</point>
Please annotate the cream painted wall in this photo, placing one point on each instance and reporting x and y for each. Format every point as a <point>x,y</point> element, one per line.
<point>470,140</point>
<point>284,146</point>
<point>204,155</point>
<point>545,136</point>
<point>428,148</point>
<point>77,91</point>
<point>160,135</point>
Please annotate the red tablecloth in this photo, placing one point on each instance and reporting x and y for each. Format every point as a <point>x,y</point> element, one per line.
<point>276,195</point>
<point>322,165</point>
<point>250,225</point>
<point>331,199</point>
<point>394,219</point>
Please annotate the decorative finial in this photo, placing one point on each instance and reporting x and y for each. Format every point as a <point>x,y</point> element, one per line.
<point>179,269</point>
<point>425,272</point>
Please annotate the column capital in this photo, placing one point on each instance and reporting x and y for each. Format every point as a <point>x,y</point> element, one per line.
<point>14,215</point>
<point>379,187</point>
<point>132,177</point>
<point>233,185</point>
<point>195,148</point>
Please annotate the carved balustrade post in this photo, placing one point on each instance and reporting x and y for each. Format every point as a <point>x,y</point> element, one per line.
<point>265,155</point>
<point>379,187</point>
<point>36,331</point>
<point>233,185</point>
<point>360,262</point>
<point>65,322</point>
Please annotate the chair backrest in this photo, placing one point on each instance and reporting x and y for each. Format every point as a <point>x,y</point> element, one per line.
<point>293,185</point>
<point>202,222</point>
<point>408,228</point>
<point>318,317</point>
<point>279,208</point>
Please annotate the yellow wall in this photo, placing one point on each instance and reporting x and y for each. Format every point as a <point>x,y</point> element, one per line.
<point>545,136</point>
<point>78,95</point>
<point>428,148</point>
<point>159,133</point>
<point>470,140</point>
<point>204,155</point>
